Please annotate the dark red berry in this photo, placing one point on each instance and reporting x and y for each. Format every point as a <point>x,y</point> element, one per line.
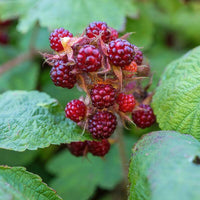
<point>4,39</point>
<point>103,95</point>
<point>96,28</point>
<point>62,75</point>
<point>114,34</point>
<point>99,148</point>
<point>6,22</point>
<point>138,57</point>
<point>78,148</point>
<point>144,116</point>
<point>120,52</point>
<point>126,102</point>
<point>75,110</point>
<point>54,38</point>
<point>89,58</point>
<point>102,124</point>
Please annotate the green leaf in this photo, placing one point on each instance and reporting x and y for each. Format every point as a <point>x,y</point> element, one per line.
<point>66,13</point>
<point>165,165</point>
<point>31,120</point>
<point>176,102</point>
<point>73,174</point>
<point>16,183</point>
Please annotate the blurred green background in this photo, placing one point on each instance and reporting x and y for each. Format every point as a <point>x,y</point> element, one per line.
<point>165,30</point>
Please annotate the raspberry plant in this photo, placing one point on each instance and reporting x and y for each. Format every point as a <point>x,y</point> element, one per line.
<point>104,85</point>
<point>105,67</point>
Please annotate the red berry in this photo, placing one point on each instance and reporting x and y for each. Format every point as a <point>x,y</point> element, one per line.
<point>6,22</point>
<point>131,68</point>
<point>138,57</point>
<point>96,28</point>
<point>114,34</point>
<point>4,39</point>
<point>126,102</point>
<point>62,76</point>
<point>75,110</point>
<point>89,58</point>
<point>55,36</point>
<point>99,148</point>
<point>144,117</point>
<point>102,124</point>
<point>78,148</point>
<point>120,52</point>
<point>103,95</point>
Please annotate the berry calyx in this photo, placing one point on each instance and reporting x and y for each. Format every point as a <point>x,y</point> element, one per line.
<point>138,57</point>
<point>103,95</point>
<point>89,58</point>
<point>62,75</point>
<point>78,148</point>
<point>102,124</point>
<point>131,68</point>
<point>75,110</point>
<point>54,38</point>
<point>126,102</point>
<point>120,52</point>
<point>114,34</point>
<point>144,116</point>
<point>99,148</point>
<point>96,28</point>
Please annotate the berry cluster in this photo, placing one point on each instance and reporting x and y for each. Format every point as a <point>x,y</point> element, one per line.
<point>96,148</point>
<point>105,67</point>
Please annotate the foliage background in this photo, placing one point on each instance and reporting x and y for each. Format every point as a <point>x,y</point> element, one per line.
<point>165,30</point>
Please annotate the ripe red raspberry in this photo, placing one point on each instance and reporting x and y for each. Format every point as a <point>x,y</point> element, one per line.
<point>144,117</point>
<point>54,38</point>
<point>114,34</point>
<point>103,95</point>
<point>120,52</point>
<point>96,28</point>
<point>89,58</point>
<point>99,148</point>
<point>131,68</point>
<point>126,102</point>
<point>102,124</point>
<point>138,57</point>
<point>62,76</point>
<point>78,148</point>
<point>75,110</point>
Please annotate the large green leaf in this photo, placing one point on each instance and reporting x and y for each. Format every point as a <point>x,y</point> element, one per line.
<point>165,165</point>
<point>31,120</point>
<point>73,174</point>
<point>74,15</point>
<point>18,184</point>
<point>176,102</point>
